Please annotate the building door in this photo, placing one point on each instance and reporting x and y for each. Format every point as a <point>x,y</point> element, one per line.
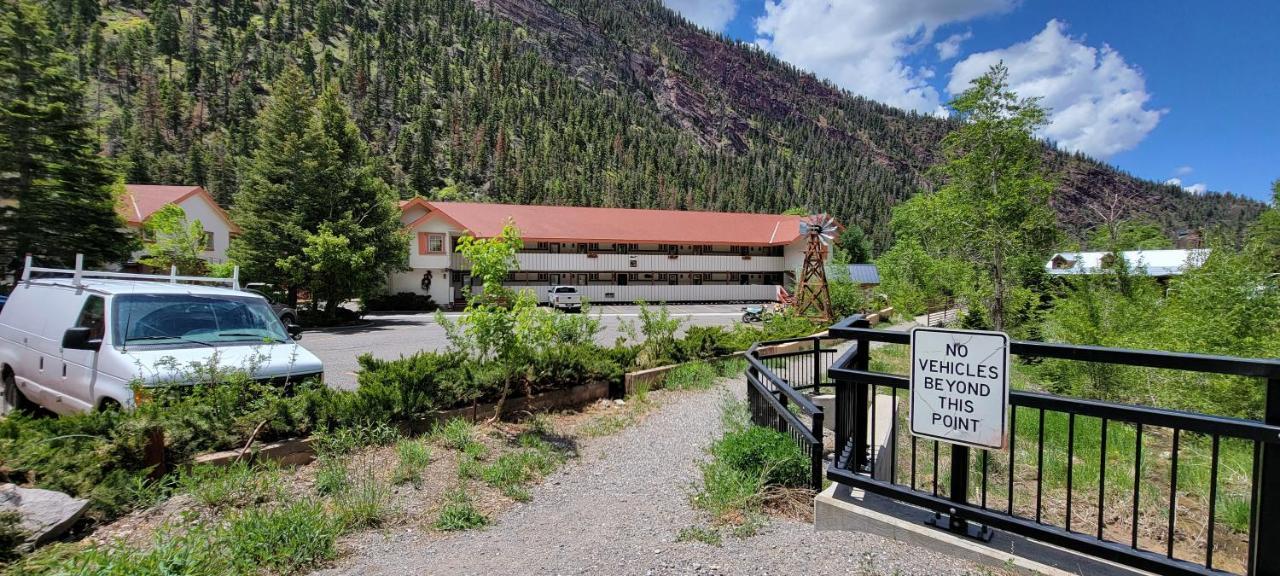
<point>622,279</point>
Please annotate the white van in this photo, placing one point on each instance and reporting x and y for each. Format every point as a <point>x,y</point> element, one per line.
<point>75,340</point>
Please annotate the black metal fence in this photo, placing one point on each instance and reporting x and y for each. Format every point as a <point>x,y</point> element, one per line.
<point>779,373</point>
<point>1092,506</point>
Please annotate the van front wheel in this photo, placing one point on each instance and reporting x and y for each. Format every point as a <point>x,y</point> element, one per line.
<point>11,400</point>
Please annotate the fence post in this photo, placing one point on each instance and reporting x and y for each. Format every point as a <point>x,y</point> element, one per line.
<point>817,365</point>
<point>1266,521</point>
<point>860,405</point>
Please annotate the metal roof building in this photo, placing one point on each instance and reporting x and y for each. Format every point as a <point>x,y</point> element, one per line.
<point>1158,263</point>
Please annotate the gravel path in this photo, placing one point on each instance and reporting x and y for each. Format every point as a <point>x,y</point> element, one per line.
<point>618,510</point>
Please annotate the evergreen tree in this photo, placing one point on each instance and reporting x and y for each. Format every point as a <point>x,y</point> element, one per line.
<point>56,194</point>
<point>282,173</point>
<point>354,235</point>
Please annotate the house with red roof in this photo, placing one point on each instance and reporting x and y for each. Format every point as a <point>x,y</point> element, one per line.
<point>140,201</point>
<point>609,254</point>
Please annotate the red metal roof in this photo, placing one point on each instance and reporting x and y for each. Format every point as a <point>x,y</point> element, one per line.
<point>575,224</point>
<point>140,201</point>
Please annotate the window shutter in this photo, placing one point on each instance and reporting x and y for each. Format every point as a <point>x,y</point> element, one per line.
<point>422,243</point>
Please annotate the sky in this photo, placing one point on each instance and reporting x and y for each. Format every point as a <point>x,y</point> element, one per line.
<point>1174,90</point>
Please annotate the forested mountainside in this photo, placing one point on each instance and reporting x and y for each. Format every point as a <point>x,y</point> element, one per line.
<point>584,102</point>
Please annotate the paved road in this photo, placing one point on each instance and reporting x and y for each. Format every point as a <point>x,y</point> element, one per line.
<point>391,336</point>
<point>619,509</point>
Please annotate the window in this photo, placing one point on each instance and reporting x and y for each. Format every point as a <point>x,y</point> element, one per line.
<point>92,317</point>
<point>208,241</point>
<point>178,320</point>
<point>430,243</point>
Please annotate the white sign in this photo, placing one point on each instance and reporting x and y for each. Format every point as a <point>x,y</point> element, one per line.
<point>960,386</point>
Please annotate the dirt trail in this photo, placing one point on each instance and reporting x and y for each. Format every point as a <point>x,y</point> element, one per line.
<point>618,510</point>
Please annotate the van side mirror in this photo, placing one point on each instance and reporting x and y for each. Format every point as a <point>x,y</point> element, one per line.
<point>295,331</point>
<point>78,339</point>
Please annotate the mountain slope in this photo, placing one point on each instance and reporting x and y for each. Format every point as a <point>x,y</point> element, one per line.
<point>588,102</point>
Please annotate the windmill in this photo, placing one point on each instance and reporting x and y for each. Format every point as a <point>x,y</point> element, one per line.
<point>813,300</point>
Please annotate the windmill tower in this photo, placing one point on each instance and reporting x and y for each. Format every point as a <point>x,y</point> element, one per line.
<point>813,300</point>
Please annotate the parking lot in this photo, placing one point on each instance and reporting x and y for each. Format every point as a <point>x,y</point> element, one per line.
<point>391,336</point>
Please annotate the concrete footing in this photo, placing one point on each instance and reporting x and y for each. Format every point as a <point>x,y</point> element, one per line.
<point>842,508</point>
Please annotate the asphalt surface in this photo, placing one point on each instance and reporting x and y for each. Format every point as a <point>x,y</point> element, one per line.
<point>390,336</point>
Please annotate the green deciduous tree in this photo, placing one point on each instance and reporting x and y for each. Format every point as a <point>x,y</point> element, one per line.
<point>172,240</point>
<point>56,192</point>
<point>1130,235</point>
<point>991,211</point>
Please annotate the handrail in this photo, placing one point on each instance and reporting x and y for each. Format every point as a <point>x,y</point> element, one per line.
<point>805,404</point>
<point>1184,361</point>
<point>782,410</point>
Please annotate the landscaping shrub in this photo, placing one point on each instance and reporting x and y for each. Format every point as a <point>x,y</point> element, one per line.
<point>319,318</point>
<point>399,302</point>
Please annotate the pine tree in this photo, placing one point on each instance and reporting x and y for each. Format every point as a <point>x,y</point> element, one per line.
<point>281,172</point>
<point>56,191</point>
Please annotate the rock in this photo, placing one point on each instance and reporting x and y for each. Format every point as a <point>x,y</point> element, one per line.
<point>46,514</point>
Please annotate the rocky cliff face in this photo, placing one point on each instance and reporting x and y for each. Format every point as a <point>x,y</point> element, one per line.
<point>731,96</point>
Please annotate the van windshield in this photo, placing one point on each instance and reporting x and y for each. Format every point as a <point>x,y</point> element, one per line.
<point>186,319</point>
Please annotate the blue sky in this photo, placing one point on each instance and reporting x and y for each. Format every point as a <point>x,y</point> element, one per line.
<point>1170,89</point>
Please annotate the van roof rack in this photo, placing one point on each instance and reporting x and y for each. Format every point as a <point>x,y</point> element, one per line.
<point>79,273</point>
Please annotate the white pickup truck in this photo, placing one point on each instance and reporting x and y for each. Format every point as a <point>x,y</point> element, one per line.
<point>564,298</point>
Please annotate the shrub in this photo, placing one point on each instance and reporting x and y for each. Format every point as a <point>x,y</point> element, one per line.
<point>400,301</point>
<point>766,453</point>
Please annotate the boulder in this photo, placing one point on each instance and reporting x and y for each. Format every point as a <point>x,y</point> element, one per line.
<point>46,514</point>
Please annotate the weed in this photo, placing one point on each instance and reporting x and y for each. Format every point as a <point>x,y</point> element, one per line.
<point>699,534</point>
<point>541,424</point>
<point>457,434</point>
<point>413,458</point>
<point>729,494</point>
<point>764,452</point>
<point>364,505</point>
<point>458,513</point>
<point>236,485</point>
<point>347,440</point>
<point>332,477</point>
<point>511,471</point>
<point>692,376</point>
<point>279,540</point>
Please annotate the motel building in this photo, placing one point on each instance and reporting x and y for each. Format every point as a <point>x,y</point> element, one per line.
<point>609,254</point>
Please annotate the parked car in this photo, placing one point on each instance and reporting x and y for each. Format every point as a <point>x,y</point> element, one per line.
<point>79,343</point>
<point>564,298</point>
<point>283,311</point>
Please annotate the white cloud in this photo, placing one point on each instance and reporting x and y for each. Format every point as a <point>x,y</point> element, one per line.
<point>950,48</point>
<point>1183,171</point>
<point>1198,188</point>
<point>713,15</point>
<point>861,44</point>
<point>1096,100</point>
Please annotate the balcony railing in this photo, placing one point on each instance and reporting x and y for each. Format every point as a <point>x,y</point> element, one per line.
<point>547,262</point>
